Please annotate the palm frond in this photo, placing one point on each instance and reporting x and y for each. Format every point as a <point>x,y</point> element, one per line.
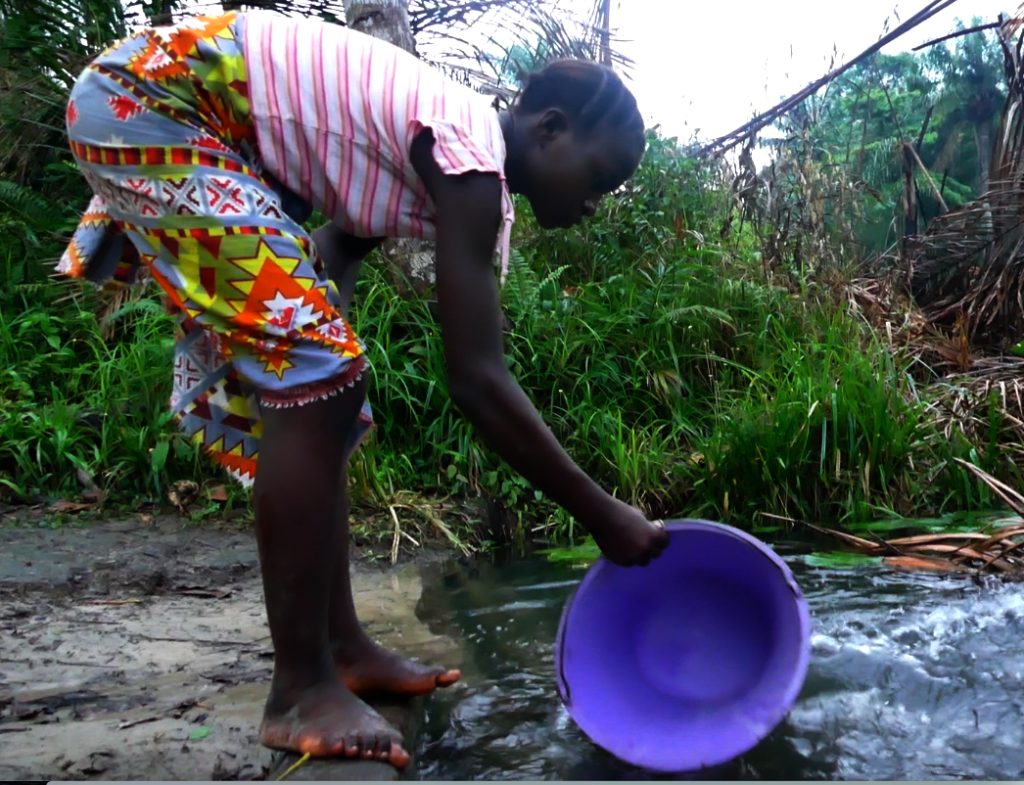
<point>969,264</point>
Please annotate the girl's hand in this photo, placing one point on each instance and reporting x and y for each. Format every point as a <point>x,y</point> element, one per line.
<point>626,537</point>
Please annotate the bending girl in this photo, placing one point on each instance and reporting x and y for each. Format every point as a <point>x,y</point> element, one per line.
<point>206,145</point>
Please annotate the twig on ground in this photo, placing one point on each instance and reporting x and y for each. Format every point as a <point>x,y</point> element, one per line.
<point>294,766</point>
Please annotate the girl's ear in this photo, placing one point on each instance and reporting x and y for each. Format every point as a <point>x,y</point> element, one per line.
<point>552,123</point>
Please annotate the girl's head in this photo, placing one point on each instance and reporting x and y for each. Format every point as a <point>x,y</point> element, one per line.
<point>573,135</point>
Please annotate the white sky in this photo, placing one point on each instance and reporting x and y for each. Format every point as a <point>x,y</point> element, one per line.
<point>709,66</point>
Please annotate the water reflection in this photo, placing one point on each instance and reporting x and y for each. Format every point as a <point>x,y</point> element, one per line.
<point>913,677</point>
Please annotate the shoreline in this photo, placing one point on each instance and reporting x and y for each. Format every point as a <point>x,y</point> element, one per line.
<point>138,651</point>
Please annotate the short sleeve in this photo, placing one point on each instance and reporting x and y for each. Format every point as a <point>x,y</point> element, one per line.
<point>458,151</point>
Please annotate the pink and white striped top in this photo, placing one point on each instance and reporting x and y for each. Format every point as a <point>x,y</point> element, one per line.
<point>336,112</point>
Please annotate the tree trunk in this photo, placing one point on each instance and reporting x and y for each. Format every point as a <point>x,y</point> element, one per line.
<point>385,19</point>
<point>910,208</point>
<point>983,143</point>
<point>162,13</point>
<point>606,32</point>
<point>410,262</point>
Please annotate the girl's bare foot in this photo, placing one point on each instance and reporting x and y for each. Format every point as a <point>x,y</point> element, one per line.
<point>368,669</point>
<point>327,720</point>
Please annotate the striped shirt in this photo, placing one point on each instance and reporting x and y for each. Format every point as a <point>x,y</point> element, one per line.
<point>336,112</point>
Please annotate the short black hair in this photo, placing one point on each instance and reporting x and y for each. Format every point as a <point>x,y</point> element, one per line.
<point>591,94</point>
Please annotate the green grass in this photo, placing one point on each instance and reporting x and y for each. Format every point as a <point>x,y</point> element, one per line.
<point>692,389</point>
<point>71,400</point>
<point>666,364</point>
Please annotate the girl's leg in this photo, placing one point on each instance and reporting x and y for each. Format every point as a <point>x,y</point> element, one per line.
<point>366,668</point>
<point>301,516</point>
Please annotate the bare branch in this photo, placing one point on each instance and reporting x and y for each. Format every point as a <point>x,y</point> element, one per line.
<point>732,139</point>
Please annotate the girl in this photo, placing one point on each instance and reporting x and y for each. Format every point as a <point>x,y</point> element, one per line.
<point>206,145</point>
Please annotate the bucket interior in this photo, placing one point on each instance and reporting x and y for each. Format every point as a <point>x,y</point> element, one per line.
<point>688,662</point>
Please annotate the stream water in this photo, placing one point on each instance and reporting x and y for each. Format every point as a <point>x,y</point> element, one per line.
<point>913,677</point>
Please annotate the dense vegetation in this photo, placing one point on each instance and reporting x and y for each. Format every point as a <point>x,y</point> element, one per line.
<point>696,347</point>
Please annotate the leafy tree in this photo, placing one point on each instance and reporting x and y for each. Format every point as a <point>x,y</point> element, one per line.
<point>945,100</point>
<point>972,94</point>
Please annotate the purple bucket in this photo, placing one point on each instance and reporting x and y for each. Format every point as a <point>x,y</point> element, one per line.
<point>691,661</point>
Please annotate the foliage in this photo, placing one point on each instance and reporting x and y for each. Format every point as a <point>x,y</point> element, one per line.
<point>946,100</point>
<point>969,270</point>
<point>70,399</point>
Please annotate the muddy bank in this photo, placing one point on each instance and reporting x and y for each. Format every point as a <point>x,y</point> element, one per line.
<point>139,650</point>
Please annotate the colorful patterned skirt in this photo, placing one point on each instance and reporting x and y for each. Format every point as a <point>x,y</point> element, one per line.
<point>159,125</point>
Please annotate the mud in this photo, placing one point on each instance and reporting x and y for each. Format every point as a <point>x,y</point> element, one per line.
<point>139,649</point>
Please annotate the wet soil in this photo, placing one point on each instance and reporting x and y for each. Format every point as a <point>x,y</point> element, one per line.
<point>139,649</point>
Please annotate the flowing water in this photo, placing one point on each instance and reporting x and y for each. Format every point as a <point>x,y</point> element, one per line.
<point>913,677</point>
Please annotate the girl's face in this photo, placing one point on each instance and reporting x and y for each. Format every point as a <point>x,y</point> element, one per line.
<point>567,174</point>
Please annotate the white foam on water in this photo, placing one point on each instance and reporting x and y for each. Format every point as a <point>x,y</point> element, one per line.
<point>918,632</point>
<point>547,586</point>
<point>562,719</point>
<point>930,677</point>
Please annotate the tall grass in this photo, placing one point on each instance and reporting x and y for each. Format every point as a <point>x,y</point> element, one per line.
<point>663,359</point>
<point>70,400</point>
<point>683,392</point>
